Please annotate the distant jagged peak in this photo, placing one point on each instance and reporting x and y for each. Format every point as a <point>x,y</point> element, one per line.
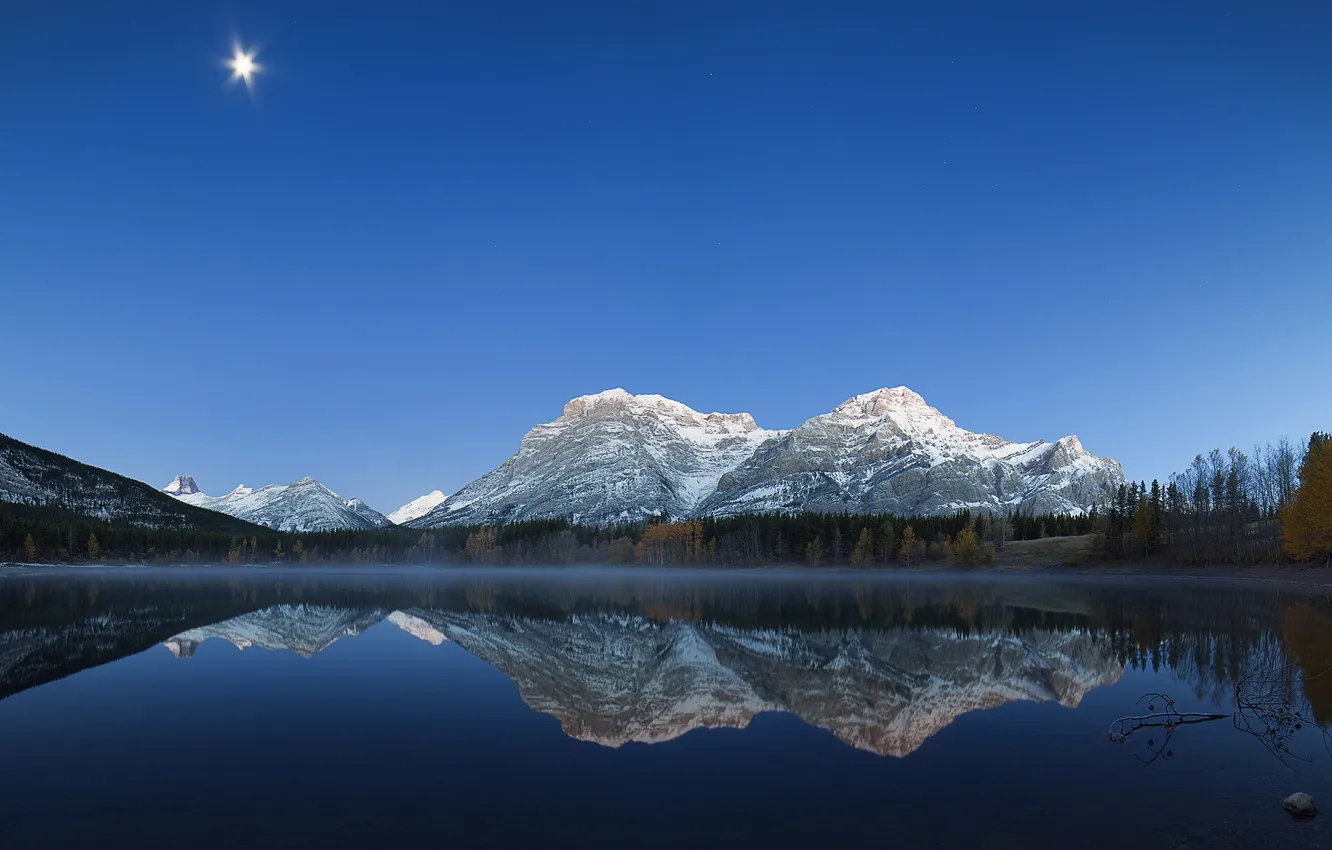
<point>181,485</point>
<point>240,492</point>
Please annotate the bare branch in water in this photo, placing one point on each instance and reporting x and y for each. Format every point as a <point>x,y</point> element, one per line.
<point>1264,708</point>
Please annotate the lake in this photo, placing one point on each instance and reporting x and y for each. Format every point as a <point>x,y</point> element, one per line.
<point>599,708</point>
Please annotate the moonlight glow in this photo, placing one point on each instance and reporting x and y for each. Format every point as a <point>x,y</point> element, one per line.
<point>243,67</point>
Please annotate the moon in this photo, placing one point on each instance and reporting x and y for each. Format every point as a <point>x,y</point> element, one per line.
<point>243,67</point>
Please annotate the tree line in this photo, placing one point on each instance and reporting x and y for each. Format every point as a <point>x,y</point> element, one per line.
<point>30,534</point>
<point>1269,507</point>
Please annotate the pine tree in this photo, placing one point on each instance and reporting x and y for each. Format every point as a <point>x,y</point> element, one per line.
<point>814,551</point>
<point>1307,520</point>
<point>887,540</point>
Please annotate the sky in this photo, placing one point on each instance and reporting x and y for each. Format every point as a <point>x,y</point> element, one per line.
<point>425,227</point>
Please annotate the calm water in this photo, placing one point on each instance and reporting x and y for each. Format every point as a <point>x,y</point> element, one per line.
<point>642,709</point>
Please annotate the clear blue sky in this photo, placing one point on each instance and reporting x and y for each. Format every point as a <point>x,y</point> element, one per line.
<point>433,224</point>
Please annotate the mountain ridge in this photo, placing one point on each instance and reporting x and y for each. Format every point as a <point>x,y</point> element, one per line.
<point>617,457</point>
<point>38,477</point>
<point>303,506</point>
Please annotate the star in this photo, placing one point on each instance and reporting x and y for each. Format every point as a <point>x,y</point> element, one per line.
<point>243,67</point>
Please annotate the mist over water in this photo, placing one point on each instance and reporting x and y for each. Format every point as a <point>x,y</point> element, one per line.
<point>590,708</point>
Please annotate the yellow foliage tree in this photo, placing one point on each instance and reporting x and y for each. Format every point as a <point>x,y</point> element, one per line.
<point>863,554</point>
<point>29,548</point>
<point>967,549</point>
<point>480,543</point>
<point>911,547</point>
<point>94,548</point>
<point>1306,523</point>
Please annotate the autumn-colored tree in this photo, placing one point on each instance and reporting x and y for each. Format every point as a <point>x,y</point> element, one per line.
<point>298,550</point>
<point>1306,523</point>
<point>278,554</point>
<point>966,549</point>
<point>863,554</point>
<point>911,547</point>
<point>29,548</point>
<point>480,543</point>
<point>94,548</point>
<point>1308,634</point>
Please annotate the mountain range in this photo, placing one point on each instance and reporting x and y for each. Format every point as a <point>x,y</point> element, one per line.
<point>303,506</point>
<point>616,457</point>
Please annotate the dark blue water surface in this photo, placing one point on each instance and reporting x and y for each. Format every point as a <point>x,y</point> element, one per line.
<point>253,708</point>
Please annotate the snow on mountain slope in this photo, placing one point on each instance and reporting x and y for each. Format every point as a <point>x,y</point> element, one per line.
<point>417,508</point>
<point>615,457</point>
<point>611,457</point>
<point>889,451</point>
<point>368,513</point>
<point>34,476</point>
<point>306,505</point>
<point>183,485</point>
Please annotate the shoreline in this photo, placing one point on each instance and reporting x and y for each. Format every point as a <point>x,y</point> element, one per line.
<point>1310,576</point>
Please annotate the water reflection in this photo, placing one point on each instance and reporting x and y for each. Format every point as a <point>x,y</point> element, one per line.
<point>883,664</point>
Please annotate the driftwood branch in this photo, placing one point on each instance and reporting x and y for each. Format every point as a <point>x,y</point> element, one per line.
<point>1264,708</point>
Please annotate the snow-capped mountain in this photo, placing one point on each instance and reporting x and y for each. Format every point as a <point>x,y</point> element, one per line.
<point>182,485</point>
<point>33,476</point>
<point>306,505</point>
<point>618,457</point>
<point>889,451</point>
<point>417,508</point>
<point>611,457</point>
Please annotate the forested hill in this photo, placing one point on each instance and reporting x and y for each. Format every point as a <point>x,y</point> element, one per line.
<point>37,477</point>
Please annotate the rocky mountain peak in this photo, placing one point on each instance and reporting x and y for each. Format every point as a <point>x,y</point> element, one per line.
<point>181,485</point>
<point>618,403</point>
<point>902,405</point>
<point>306,505</point>
<point>618,457</point>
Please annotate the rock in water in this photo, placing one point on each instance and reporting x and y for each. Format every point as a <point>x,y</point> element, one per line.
<point>1300,806</point>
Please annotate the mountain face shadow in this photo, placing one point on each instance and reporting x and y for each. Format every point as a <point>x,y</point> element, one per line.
<point>882,664</point>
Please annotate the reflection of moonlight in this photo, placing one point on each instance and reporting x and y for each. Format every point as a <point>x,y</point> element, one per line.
<point>243,67</point>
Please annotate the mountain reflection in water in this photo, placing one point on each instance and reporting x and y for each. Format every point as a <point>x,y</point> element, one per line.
<point>615,678</point>
<point>782,709</point>
<point>881,664</point>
